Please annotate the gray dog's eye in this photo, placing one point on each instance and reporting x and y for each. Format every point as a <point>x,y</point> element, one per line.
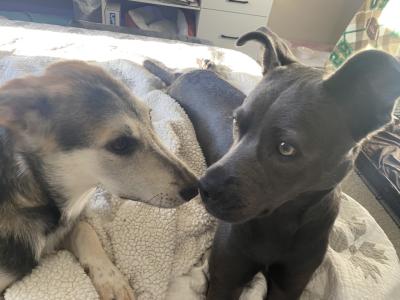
<point>235,123</point>
<point>235,128</point>
<point>286,149</point>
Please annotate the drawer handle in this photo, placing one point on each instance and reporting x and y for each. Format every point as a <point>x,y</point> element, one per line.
<point>239,1</point>
<point>229,37</point>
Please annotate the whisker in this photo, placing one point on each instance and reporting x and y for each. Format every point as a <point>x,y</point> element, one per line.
<point>149,201</point>
<point>152,198</point>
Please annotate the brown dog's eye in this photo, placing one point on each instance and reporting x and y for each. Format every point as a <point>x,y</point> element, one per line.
<point>286,149</point>
<point>124,145</point>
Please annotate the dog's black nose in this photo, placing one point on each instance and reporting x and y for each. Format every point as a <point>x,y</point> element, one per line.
<point>205,195</point>
<point>189,193</point>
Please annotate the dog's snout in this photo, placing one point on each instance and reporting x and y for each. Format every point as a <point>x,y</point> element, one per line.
<point>212,183</point>
<point>189,192</point>
<point>204,192</point>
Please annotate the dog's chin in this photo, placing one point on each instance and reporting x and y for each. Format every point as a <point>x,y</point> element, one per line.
<point>236,214</point>
<point>160,203</point>
<point>228,215</point>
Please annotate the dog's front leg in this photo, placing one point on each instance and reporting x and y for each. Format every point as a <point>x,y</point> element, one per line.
<point>287,285</point>
<point>229,269</point>
<point>229,272</point>
<point>84,243</point>
<point>287,281</point>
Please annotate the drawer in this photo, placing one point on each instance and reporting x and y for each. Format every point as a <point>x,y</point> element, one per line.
<point>223,28</point>
<point>251,7</point>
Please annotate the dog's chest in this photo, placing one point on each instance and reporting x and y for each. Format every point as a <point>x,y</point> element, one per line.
<point>70,214</point>
<point>69,218</point>
<point>265,242</point>
<point>48,241</point>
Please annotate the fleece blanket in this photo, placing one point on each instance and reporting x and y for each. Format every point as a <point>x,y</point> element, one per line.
<point>163,252</point>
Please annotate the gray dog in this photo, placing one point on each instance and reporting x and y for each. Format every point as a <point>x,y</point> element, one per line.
<point>295,137</point>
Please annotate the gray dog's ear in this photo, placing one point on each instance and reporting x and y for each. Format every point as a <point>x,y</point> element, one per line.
<point>366,87</point>
<point>276,52</point>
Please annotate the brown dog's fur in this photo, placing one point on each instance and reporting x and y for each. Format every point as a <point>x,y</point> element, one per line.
<point>61,134</point>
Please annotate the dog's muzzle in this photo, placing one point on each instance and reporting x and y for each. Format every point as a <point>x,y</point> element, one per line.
<point>189,193</point>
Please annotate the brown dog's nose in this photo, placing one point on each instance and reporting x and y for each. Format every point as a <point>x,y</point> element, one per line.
<point>189,193</point>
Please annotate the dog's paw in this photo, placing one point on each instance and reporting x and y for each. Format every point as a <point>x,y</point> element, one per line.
<point>110,284</point>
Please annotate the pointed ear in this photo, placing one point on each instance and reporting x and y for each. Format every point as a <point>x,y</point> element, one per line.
<point>367,87</point>
<point>276,51</point>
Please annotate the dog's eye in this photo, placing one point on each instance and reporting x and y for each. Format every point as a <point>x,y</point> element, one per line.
<point>235,129</point>
<point>124,145</point>
<point>286,149</point>
<point>235,123</point>
<point>239,126</point>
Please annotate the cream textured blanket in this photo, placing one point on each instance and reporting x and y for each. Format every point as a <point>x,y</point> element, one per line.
<point>163,252</point>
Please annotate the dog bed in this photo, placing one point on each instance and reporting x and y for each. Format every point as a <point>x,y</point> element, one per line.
<point>162,252</point>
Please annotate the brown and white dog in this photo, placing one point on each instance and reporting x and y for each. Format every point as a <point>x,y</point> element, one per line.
<point>61,134</point>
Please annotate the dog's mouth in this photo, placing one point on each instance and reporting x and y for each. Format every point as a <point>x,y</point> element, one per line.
<point>125,197</point>
<point>235,212</point>
<point>229,216</point>
<point>228,213</point>
<point>159,200</point>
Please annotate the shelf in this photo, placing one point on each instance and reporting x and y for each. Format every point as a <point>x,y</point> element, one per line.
<point>166,3</point>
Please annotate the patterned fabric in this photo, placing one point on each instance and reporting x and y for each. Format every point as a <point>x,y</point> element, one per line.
<point>376,25</point>
<point>368,30</point>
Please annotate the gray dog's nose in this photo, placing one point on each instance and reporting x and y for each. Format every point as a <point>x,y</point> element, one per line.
<point>189,193</point>
<point>205,195</point>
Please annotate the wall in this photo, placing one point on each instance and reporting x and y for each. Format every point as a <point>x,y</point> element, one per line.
<point>320,21</point>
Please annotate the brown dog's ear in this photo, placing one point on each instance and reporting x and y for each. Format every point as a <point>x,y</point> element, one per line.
<point>366,87</point>
<point>7,116</point>
<point>22,111</point>
<point>276,52</point>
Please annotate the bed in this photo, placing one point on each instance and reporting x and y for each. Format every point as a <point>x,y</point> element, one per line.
<point>163,252</point>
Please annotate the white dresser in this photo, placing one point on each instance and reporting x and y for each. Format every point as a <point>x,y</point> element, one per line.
<point>223,21</point>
